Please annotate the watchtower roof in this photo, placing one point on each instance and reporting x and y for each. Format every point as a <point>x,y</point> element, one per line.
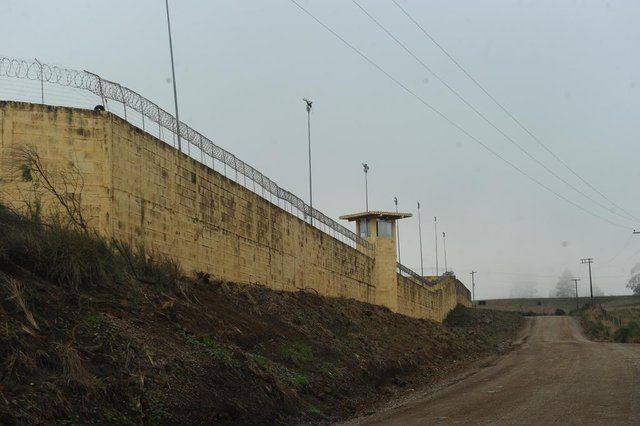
<point>375,214</point>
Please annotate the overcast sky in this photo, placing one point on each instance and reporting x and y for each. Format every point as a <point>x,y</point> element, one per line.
<point>569,71</point>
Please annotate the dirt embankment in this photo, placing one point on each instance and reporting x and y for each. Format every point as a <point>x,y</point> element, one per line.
<point>130,348</point>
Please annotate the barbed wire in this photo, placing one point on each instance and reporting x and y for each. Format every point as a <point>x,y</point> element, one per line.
<point>406,272</point>
<point>109,90</point>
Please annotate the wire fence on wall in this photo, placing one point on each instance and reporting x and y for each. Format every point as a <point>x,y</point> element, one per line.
<point>406,272</point>
<point>34,81</point>
<point>82,88</point>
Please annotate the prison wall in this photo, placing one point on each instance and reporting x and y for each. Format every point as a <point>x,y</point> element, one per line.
<point>66,140</point>
<point>138,189</point>
<point>418,300</point>
<point>210,223</point>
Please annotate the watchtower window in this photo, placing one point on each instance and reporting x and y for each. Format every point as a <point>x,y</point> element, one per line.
<point>363,227</point>
<point>384,227</point>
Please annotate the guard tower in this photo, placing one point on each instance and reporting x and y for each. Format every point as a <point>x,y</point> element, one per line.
<point>379,229</point>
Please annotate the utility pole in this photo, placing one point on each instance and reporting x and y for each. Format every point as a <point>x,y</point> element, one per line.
<point>365,167</point>
<point>308,106</point>
<point>444,243</point>
<point>473,288</point>
<point>395,201</point>
<point>575,280</point>
<point>420,232</point>
<point>173,74</point>
<point>435,222</point>
<point>589,261</point>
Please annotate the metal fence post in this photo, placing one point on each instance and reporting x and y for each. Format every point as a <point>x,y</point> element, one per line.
<point>41,79</point>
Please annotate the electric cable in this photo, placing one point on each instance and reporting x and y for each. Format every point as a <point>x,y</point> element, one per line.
<point>518,122</point>
<point>481,115</point>
<point>451,122</point>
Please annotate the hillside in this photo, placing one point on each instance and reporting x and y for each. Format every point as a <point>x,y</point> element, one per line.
<point>548,305</point>
<point>98,332</point>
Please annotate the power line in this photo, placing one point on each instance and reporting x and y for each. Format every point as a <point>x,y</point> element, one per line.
<point>624,247</point>
<point>533,136</point>
<point>481,115</point>
<point>448,120</point>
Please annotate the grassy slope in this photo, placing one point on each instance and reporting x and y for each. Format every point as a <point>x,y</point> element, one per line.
<point>92,335</point>
<point>548,305</point>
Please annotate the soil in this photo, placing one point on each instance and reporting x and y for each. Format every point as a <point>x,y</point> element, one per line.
<point>131,352</point>
<point>555,376</point>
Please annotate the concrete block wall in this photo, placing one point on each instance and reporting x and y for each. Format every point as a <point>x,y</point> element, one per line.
<point>64,138</point>
<point>138,189</point>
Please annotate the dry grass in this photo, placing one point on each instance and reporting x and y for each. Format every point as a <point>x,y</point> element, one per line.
<point>73,368</point>
<point>17,295</point>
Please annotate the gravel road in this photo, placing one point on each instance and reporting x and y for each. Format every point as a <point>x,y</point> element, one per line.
<point>555,376</point>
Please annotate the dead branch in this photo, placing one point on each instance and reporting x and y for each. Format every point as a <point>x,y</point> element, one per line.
<point>68,193</point>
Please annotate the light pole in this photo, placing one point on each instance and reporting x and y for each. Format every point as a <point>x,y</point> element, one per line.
<point>173,74</point>
<point>395,201</point>
<point>435,222</point>
<point>444,243</point>
<point>308,106</point>
<point>473,288</point>
<point>420,232</point>
<point>365,167</point>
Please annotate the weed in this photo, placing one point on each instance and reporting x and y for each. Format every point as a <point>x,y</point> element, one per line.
<point>291,377</point>
<point>597,328</point>
<point>299,353</point>
<point>94,320</point>
<point>61,255</point>
<point>17,294</point>
<point>627,333</point>
<point>560,312</point>
<point>216,351</point>
<point>151,267</point>
<point>73,369</point>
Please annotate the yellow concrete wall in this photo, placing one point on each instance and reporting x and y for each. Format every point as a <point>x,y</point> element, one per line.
<point>63,137</point>
<point>138,189</point>
<point>434,301</point>
<point>417,300</point>
<point>210,223</point>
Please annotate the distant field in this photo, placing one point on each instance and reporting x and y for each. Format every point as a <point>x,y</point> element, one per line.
<point>626,307</point>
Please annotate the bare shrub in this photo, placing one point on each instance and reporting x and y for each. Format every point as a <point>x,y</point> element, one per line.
<point>65,186</point>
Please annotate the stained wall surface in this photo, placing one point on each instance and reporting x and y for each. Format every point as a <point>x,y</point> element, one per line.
<point>138,189</point>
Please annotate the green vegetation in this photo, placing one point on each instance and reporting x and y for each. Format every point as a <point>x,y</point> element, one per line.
<point>217,351</point>
<point>69,257</point>
<point>560,312</point>
<point>299,353</point>
<point>289,376</point>
<point>596,329</point>
<point>628,333</point>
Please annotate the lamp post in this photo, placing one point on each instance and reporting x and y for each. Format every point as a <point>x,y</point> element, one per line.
<point>420,232</point>
<point>365,167</point>
<point>173,74</point>
<point>395,201</point>
<point>435,222</point>
<point>444,243</point>
<point>473,288</point>
<point>308,106</point>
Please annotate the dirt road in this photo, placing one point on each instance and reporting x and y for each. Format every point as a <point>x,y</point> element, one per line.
<point>556,376</point>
